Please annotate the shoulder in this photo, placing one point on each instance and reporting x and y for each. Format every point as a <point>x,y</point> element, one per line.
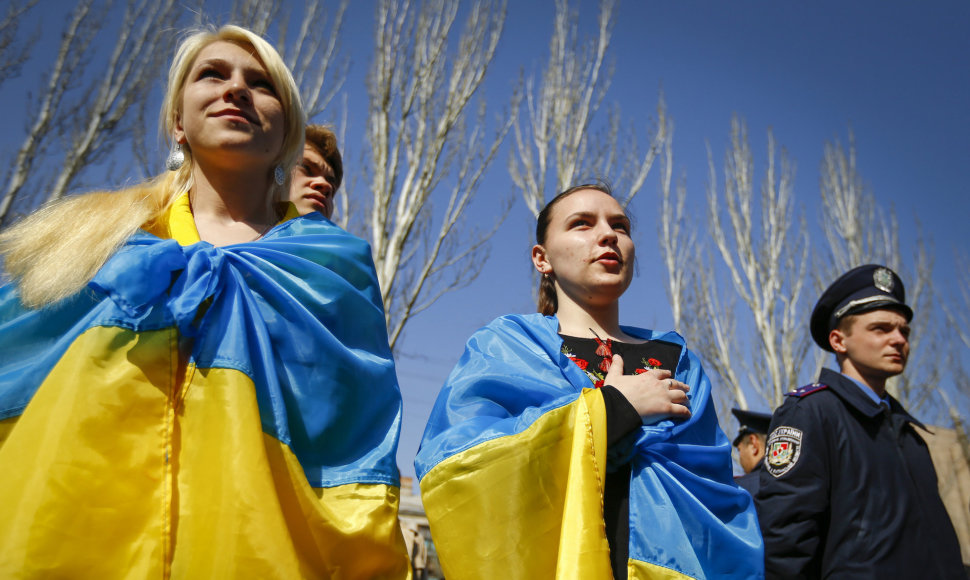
<point>523,327</point>
<point>807,390</point>
<point>514,334</point>
<point>312,224</point>
<point>804,409</point>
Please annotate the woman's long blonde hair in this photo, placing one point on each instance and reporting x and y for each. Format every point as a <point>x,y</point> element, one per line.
<point>54,252</point>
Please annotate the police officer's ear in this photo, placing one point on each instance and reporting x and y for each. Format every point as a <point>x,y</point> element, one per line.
<point>837,341</point>
<point>759,442</point>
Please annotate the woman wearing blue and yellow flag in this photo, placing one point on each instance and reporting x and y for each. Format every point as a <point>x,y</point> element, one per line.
<point>191,384</point>
<point>564,445</point>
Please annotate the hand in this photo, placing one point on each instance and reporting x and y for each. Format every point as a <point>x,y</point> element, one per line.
<point>654,394</point>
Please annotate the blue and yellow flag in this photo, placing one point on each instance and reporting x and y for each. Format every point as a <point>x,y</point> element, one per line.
<point>514,457</point>
<point>204,412</point>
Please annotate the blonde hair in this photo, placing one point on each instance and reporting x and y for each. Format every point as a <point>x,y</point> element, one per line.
<point>55,251</point>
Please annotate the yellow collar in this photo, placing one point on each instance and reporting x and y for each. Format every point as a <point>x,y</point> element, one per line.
<point>179,224</point>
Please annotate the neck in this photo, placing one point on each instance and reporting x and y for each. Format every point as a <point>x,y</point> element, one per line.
<point>231,206</point>
<point>876,383</point>
<point>591,321</point>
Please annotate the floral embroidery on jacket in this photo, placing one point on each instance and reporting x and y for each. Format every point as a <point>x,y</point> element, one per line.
<point>597,372</point>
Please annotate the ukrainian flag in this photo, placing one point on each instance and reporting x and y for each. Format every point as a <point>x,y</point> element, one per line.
<point>514,457</point>
<point>202,412</point>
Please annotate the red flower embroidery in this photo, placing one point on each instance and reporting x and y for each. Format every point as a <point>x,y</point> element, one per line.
<point>640,371</point>
<point>598,384</point>
<point>604,349</point>
<point>653,363</point>
<point>605,364</point>
<point>579,362</point>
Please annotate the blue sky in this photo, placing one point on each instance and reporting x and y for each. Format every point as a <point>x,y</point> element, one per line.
<point>896,73</point>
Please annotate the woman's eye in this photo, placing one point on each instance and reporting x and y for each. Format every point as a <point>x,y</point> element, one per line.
<point>209,73</point>
<point>264,84</point>
<point>621,227</point>
<point>579,223</point>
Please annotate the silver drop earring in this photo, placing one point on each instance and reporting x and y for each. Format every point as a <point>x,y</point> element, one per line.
<point>175,157</point>
<point>279,175</point>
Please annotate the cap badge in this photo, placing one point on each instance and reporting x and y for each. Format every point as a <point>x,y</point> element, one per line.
<point>883,279</point>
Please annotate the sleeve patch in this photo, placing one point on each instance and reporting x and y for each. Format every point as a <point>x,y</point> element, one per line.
<point>784,448</point>
<point>807,390</point>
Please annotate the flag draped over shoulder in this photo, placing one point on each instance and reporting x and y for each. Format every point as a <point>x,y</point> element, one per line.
<point>514,456</point>
<point>200,412</point>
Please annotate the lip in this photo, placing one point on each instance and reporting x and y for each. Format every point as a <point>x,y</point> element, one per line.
<point>609,258</point>
<point>236,113</point>
<point>317,199</point>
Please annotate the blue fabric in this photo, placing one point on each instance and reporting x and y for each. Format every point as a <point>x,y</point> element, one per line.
<point>298,311</point>
<point>686,512</point>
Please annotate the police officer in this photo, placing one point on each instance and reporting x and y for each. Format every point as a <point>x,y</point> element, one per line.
<point>848,489</point>
<point>750,443</point>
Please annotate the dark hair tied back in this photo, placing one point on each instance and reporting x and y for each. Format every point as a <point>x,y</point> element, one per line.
<point>548,303</point>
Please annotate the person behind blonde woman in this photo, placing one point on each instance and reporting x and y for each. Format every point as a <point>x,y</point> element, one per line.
<point>182,390</point>
<point>566,445</point>
<point>317,176</point>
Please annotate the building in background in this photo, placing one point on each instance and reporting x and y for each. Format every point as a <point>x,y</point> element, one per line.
<point>417,534</point>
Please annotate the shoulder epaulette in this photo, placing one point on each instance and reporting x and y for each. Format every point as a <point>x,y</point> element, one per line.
<point>807,390</point>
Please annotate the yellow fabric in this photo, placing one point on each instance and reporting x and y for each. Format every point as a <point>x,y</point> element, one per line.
<point>169,474</point>
<point>637,570</point>
<point>178,222</point>
<point>550,476</point>
<point>5,427</point>
<point>291,212</point>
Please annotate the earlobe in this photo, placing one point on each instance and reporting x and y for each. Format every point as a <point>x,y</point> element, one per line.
<point>757,443</point>
<point>837,341</point>
<point>539,260</point>
<point>177,133</point>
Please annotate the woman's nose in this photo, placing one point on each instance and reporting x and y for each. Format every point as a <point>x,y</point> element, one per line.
<point>238,90</point>
<point>607,234</point>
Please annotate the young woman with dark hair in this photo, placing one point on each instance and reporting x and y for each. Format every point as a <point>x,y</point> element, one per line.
<point>567,445</point>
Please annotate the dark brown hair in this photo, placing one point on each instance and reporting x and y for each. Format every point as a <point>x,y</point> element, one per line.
<point>548,303</point>
<point>323,139</point>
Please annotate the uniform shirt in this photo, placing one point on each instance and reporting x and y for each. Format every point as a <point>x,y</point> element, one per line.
<point>749,481</point>
<point>848,490</point>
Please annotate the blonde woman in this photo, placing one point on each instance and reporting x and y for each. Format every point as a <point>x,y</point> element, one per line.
<point>182,390</point>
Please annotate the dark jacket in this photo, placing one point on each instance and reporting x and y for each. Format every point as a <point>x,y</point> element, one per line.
<point>749,481</point>
<point>848,491</point>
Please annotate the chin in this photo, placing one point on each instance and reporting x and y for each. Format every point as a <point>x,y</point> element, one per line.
<point>893,370</point>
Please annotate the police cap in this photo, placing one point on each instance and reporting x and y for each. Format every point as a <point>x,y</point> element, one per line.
<point>751,422</point>
<point>869,287</point>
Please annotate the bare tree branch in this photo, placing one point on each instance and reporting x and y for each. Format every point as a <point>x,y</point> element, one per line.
<point>561,109</point>
<point>74,41</point>
<point>854,226</point>
<point>958,310</point>
<point>764,256</point>
<point>12,54</point>
<point>418,135</point>
<point>858,232</point>
<point>256,15</point>
<point>677,239</point>
<point>143,45</point>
